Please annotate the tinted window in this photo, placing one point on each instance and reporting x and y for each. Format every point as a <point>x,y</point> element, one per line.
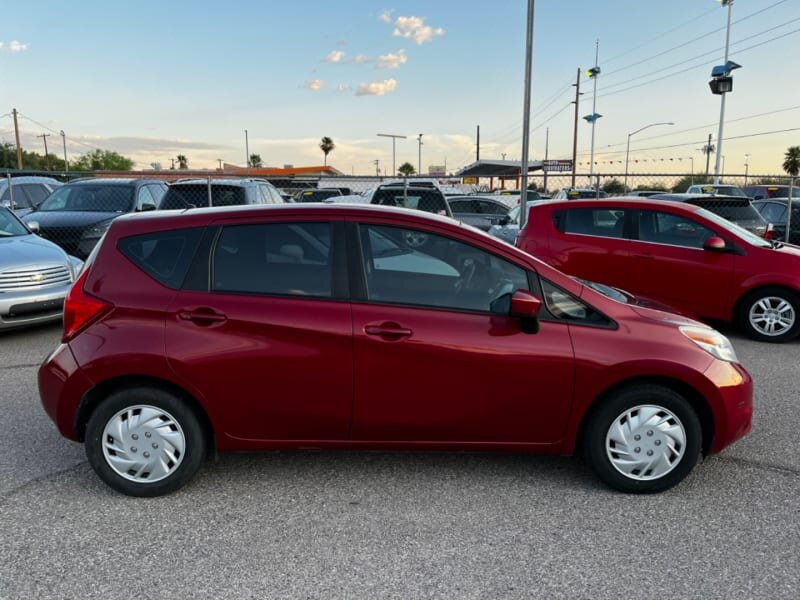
<point>21,199</point>
<point>145,197</point>
<point>406,266</point>
<point>292,259</point>
<point>604,222</point>
<point>675,230</point>
<point>194,195</point>
<point>491,208</point>
<point>90,197</point>
<point>36,193</point>
<point>464,206</point>
<point>317,195</point>
<point>165,255</point>
<point>733,211</point>
<point>427,200</point>
<point>773,212</point>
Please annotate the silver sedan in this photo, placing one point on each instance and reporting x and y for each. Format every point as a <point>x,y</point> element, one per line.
<point>35,275</point>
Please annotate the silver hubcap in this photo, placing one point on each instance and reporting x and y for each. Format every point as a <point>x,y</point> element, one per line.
<point>143,443</point>
<point>772,316</point>
<point>646,442</point>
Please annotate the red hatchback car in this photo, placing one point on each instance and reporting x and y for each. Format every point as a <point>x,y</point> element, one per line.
<point>246,329</point>
<point>681,255</point>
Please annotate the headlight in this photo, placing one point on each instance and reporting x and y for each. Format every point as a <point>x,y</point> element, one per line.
<point>713,342</point>
<point>96,231</point>
<point>75,266</point>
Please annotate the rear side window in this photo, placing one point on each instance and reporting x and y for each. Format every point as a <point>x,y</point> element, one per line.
<point>165,256</point>
<point>603,222</point>
<point>179,197</point>
<point>287,259</point>
<point>427,200</point>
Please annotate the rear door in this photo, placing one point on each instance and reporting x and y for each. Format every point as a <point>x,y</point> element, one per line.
<point>264,330</point>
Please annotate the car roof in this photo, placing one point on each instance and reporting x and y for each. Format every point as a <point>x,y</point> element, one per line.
<point>686,197</point>
<point>114,181</point>
<point>234,182</point>
<point>621,202</point>
<point>31,179</point>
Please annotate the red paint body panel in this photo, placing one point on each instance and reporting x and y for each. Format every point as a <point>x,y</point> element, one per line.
<point>699,282</point>
<point>289,372</point>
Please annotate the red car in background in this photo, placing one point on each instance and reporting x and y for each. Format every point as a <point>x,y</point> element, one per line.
<point>678,254</point>
<point>311,325</point>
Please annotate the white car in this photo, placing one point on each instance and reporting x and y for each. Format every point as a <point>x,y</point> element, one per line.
<point>717,190</point>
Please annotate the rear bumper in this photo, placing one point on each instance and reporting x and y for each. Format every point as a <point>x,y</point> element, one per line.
<point>62,384</point>
<point>734,418</point>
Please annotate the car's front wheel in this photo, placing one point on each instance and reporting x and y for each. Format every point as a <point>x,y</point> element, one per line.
<point>770,314</point>
<point>643,439</point>
<point>144,441</point>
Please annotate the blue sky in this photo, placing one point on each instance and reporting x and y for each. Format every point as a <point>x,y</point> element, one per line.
<point>154,79</point>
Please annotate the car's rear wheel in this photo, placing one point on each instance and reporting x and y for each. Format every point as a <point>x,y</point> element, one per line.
<point>643,439</point>
<point>770,314</point>
<point>144,441</point>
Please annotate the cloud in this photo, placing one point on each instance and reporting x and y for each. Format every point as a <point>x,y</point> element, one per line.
<point>314,85</point>
<point>386,16</point>
<point>376,88</point>
<point>414,28</point>
<point>360,59</point>
<point>15,47</point>
<point>335,57</point>
<point>392,61</point>
<point>344,87</point>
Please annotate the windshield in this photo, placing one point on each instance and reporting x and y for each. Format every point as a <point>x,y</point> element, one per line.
<point>10,225</point>
<point>90,198</point>
<point>735,229</point>
<point>733,210</point>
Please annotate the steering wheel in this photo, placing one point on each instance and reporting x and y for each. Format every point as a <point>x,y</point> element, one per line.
<point>465,277</point>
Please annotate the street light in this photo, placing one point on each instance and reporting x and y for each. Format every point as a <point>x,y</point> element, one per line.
<point>746,166</point>
<point>628,149</point>
<point>722,83</point>
<point>394,139</point>
<point>419,156</point>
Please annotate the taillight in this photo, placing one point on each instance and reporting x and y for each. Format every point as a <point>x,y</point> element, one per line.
<point>81,309</point>
<point>769,232</point>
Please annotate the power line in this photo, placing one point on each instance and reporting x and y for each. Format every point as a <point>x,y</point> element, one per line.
<point>51,130</point>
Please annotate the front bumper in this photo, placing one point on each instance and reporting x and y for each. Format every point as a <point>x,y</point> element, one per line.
<point>33,306</point>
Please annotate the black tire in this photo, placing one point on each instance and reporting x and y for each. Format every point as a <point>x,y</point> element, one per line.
<point>769,295</point>
<point>676,467</point>
<point>180,466</point>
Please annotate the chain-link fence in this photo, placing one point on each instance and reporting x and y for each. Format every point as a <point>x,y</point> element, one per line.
<point>74,209</point>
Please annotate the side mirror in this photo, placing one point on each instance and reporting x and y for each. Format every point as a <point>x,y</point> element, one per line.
<point>147,206</point>
<point>525,306</point>
<point>504,220</point>
<point>715,243</point>
<point>33,226</point>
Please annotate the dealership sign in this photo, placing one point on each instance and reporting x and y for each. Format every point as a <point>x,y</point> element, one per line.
<point>557,166</point>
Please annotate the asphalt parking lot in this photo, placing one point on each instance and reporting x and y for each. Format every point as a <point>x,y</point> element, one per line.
<point>387,525</point>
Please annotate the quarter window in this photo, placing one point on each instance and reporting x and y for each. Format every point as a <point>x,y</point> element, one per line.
<point>407,266</point>
<point>289,259</point>
<point>674,230</point>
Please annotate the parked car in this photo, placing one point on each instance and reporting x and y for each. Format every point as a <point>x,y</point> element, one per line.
<point>761,192</point>
<point>27,192</point>
<point>35,275</point>
<point>644,193</point>
<point>317,194</point>
<point>734,208</point>
<point>774,211</point>
<point>425,198</point>
<point>507,229</point>
<point>259,328</point>
<point>76,215</point>
<point>716,190</point>
<point>675,253</point>
<point>579,193</point>
<point>478,211</point>
<point>192,193</point>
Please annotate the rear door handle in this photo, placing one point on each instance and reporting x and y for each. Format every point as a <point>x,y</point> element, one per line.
<point>202,316</point>
<point>388,331</point>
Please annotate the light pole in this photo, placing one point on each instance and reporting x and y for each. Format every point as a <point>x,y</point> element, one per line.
<point>394,139</point>
<point>593,73</point>
<point>628,149</point>
<point>746,166</point>
<point>419,156</point>
<point>722,90</point>
<point>526,116</point>
<point>247,149</point>
<point>64,142</point>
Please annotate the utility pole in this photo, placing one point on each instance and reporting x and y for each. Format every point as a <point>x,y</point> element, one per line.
<point>64,142</point>
<point>575,129</point>
<point>394,139</point>
<point>377,167</point>
<point>16,134</point>
<point>729,4</point>
<point>708,149</point>
<point>595,72</point>
<point>44,136</point>
<point>247,148</point>
<point>419,158</point>
<point>478,147</point>
<point>526,117</point>
<point>219,160</point>
<point>746,166</point>
<point>546,144</point>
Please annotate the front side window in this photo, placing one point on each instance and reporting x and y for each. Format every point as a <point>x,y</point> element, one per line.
<point>406,266</point>
<point>90,197</point>
<point>774,212</point>
<point>673,230</point>
<point>602,222</point>
<point>145,197</point>
<point>287,259</point>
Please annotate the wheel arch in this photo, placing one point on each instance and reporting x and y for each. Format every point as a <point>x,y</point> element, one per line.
<point>737,306</point>
<point>92,399</point>
<point>698,403</point>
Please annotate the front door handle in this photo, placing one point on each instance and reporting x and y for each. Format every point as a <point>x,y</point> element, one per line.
<point>388,330</point>
<point>202,316</point>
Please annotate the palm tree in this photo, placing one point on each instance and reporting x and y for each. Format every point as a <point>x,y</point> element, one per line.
<point>406,169</point>
<point>255,161</point>
<point>326,145</point>
<point>791,162</point>
<point>183,162</point>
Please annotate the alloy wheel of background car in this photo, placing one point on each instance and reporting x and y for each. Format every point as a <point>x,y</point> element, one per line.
<point>770,314</point>
<point>144,442</point>
<point>642,439</point>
